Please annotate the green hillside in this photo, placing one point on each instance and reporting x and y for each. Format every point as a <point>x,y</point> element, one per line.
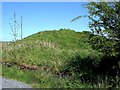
<point>50,48</point>
<point>50,59</point>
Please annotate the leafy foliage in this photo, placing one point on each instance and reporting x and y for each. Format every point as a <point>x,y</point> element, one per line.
<point>105,22</point>
<point>105,25</point>
<point>105,18</point>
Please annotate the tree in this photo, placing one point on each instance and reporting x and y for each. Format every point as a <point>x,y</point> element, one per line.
<point>105,22</point>
<point>15,27</point>
<point>105,18</point>
<point>105,25</point>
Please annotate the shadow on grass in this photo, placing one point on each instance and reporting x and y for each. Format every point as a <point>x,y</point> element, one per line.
<point>89,71</point>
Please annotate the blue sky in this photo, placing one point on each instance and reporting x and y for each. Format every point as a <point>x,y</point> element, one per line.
<point>40,16</point>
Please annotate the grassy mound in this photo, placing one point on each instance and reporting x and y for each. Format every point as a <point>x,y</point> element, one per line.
<point>49,48</point>
<point>52,59</point>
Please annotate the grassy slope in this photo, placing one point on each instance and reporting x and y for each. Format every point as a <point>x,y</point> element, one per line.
<point>51,49</point>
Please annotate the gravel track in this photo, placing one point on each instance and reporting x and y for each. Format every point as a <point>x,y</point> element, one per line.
<point>9,83</point>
